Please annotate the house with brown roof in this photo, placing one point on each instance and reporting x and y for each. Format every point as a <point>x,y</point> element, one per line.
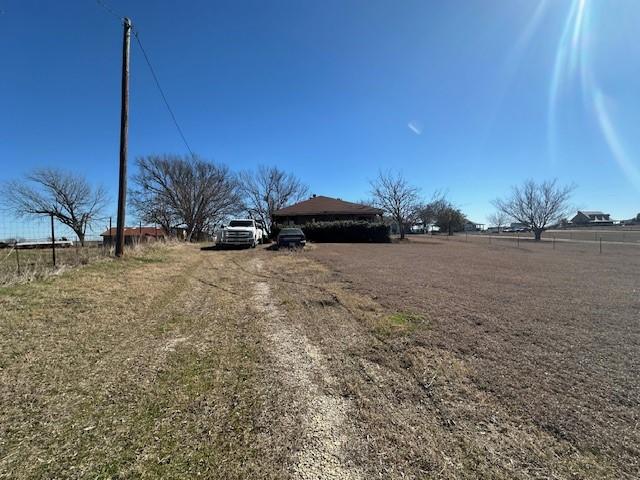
<point>134,235</point>
<point>319,208</point>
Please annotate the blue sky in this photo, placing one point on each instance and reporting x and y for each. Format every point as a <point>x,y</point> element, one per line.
<point>467,96</point>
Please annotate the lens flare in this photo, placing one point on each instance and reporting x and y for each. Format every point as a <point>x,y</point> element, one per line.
<point>573,65</point>
<point>511,65</point>
<point>613,140</point>
<point>570,58</point>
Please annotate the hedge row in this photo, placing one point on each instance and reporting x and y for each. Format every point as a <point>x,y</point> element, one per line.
<point>343,231</point>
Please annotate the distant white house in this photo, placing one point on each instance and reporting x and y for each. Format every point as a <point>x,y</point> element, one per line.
<point>588,217</point>
<point>420,227</point>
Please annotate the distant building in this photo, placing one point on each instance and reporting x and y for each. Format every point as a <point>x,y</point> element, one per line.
<point>420,227</point>
<point>470,226</point>
<point>584,217</point>
<point>325,209</point>
<point>134,235</point>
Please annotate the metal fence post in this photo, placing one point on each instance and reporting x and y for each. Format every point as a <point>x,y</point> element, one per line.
<point>554,242</point>
<point>53,242</point>
<point>15,247</point>
<point>600,244</point>
<point>518,239</point>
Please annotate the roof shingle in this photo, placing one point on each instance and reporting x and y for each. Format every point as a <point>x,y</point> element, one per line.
<point>319,205</point>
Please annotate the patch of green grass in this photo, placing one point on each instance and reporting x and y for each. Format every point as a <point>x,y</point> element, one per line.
<point>399,323</point>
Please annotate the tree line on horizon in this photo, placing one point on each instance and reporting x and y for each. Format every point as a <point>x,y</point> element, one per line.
<point>190,192</point>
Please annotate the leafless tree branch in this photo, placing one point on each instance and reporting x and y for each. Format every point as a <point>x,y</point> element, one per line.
<point>536,204</point>
<point>66,196</point>
<point>267,190</point>
<point>396,197</point>
<point>188,192</point>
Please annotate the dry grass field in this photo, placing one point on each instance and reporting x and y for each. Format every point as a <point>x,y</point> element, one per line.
<point>607,234</point>
<point>18,266</point>
<point>434,358</point>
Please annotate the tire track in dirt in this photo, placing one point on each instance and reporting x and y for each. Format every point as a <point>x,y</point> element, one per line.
<point>298,363</point>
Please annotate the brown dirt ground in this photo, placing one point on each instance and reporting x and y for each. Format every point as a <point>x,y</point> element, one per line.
<point>543,345</point>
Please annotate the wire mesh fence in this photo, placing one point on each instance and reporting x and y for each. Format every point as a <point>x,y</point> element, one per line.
<point>616,240</point>
<point>595,241</point>
<point>37,247</point>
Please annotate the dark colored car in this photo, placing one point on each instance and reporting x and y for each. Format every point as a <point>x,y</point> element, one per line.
<point>291,237</point>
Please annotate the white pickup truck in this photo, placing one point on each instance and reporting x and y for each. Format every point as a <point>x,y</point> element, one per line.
<point>241,232</point>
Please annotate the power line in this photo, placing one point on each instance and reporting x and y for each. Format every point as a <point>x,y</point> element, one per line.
<point>164,97</point>
<point>109,10</point>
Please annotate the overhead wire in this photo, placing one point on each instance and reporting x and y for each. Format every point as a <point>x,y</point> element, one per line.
<point>136,34</point>
<point>162,94</point>
<point>109,10</point>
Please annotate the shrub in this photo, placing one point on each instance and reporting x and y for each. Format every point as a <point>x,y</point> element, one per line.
<point>342,231</point>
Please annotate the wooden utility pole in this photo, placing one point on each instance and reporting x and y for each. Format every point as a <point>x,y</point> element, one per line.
<point>124,127</point>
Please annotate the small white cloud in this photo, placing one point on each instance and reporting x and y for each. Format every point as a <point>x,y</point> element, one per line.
<point>415,127</point>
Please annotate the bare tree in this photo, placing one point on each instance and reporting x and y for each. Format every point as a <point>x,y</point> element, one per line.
<point>498,219</point>
<point>188,192</point>
<point>444,214</point>
<point>396,197</point>
<point>441,212</point>
<point>424,214</point>
<point>428,212</point>
<point>267,190</point>
<point>66,196</point>
<point>536,205</point>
